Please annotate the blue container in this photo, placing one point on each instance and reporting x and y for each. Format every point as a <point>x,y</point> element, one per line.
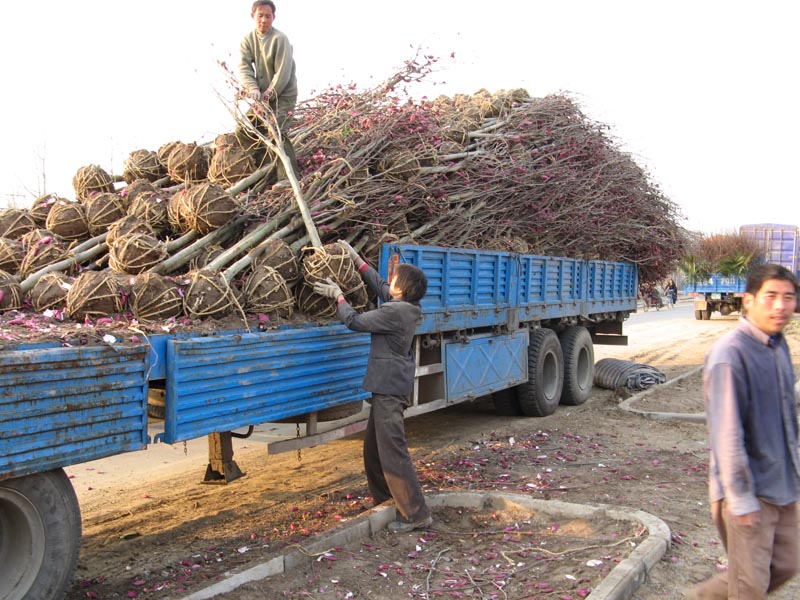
<point>780,243</point>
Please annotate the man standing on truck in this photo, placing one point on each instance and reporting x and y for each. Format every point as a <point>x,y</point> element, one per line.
<point>754,471</point>
<point>267,71</point>
<point>390,378</point>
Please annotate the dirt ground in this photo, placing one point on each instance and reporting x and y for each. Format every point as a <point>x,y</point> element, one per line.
<point>163,535</point>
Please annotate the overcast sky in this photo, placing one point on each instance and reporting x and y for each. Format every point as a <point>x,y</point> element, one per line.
<point>704,94</point>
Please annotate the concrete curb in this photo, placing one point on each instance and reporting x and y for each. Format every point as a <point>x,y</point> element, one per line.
<point>620,584</point>
<point>627,405</point>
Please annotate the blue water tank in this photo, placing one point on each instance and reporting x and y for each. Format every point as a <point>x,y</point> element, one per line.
<point>780,243</point>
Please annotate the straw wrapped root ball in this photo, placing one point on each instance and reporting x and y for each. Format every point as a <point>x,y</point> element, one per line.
<point>278,255</point>
<point>205,256</point>
<point>151,207</point>
<point>16,222</point>
<point>208,294</point>
<point>143,164</point>
<point>94,294</point>
<point>155,298</point>
<point>11,254</point>
<point>50,292</point>
<point>177,207</point>
<point>313,304</point>
<point>68,220</point>
<point>102,210</point>
<point>42,253</point>
<point>187,163</point>
<point>136,253</point>
<point>10,292</point>
<point>229,165</point>
<point>329,261</point>
<point>89,180</point>
<point>136,187</point>
<point>266,291</point>
<point>128,226</point>
<point>41,207</point>
<point>207,207</point>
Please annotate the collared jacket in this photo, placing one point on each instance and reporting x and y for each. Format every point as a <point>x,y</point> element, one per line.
<point>268,62</point>
<point>751,409</point>
<point>391,365</point>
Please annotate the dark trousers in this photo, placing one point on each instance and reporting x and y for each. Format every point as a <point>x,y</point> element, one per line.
<point>387,462</point>
<point>281,107</point>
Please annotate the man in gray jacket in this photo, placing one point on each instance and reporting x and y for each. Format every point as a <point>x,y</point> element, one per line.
<point>267,71</point>
<point>754,471</point>
<point>390,378</point>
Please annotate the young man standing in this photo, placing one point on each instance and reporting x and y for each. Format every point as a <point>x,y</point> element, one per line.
<point>267,71</point>
<point>754,471</point>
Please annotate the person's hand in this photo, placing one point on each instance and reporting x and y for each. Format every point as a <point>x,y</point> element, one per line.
<point>254,94</point>
<point>329,290</point>
<point>350,250</point>
<point>268,93</point>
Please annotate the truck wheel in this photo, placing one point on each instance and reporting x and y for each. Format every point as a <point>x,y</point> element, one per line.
<point>698,314</point>
<point>506,402</point>
<point>40,536</point>
<point>578,352</point>
<point>706,314</point>
<point>540,395</point>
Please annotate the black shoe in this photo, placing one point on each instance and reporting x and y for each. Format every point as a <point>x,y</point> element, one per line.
<point>405,526</point>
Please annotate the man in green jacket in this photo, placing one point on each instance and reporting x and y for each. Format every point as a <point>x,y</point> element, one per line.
<point>267,71</point>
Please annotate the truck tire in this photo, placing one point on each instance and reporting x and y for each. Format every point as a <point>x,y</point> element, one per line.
<point>698,314</point>
<point>706,314</point>
<point>540,395</point>
<point>506,402</point>
<point>578,352</point>
<point>40,535</point>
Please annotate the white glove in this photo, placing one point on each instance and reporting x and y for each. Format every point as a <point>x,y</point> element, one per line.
<point>350,250</point>
<point>329,290</point>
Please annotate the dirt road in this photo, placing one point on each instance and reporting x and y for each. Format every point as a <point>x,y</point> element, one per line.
<point>152,531</point>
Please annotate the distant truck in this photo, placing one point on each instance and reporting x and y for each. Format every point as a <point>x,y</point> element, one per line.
<point>717,294</point>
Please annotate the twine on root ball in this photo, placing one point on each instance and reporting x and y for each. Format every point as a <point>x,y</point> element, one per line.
<point>176,209</point>
<point>143,164</point>
<point>39,236</point>
<point>278,255</point>
<point>266,291</point>
<point>155,298</point>
<point>11,254</point>
<point>136,253</point>
<point>15,222</point>
<point>68,219</point>
<point>151,207</point>
<point>208,295</point>
<point>313,304</point>
<point>41,207</point>
<point>94,294</point>
<point>41,253</point>
<point>91,179</point>
<point>208,207</point>
<point>10,292</point>
<point>102,210</point>
<point>165,150</point>
<point>206,255</point>
<point>329,261</point>
<point>133,189</point>
<point>128,226</point>
<point>229,165</point>
<point>188,163</point>
<point>50,291</point>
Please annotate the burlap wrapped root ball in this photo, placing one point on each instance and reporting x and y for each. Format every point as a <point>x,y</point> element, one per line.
<point>42,253</point>
<point>266,291</point>
<point>188,163</point>
<point>136,253</point>
<point>103,210</point>
<point>151,207</point>
<point>278,255</point>
<point>68,220</point>
<point>41,208</point>
<point>155,298</point>
<point>207,207</point>
<point>143,164</point>
<point>128,225</point>
<point>11,254</point>
<point>50,292</point>
<point>94,294</point>
<point>10,292</point>
<point>16,222</point>
<point>208,294</point>
<point>91,179</point>
<point>229,165</point>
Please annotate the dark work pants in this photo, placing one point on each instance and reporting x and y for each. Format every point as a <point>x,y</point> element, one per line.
<point>387,462</point>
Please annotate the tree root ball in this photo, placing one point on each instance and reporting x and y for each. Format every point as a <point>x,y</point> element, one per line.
<point>206,255</point>
<point>177,207</point>
<point>40,254</point>
<point>165,150</point>
<point>208,207</point>
<point>91,179</point>
<point>136,253</point>
<point>94,294</point>
<point>136,187</point>
<point>10,292</point>
<point>229,165</point>
<point>143,164</point>
<point>329,261</point>
<point>155,298</point>
<point>128,226</point>
<point>313,304</point>
<point>50,292</point>
<point>151,207</point>
<point>38,237</point>
<point>266,291</point>
<point>102,210</point>
<point>41,207</point>
<point>68,219</point>
<point>208,294</point>
<point>16,222</point>
<point>188,163</point>
<point>11,254</point>
<point>400,163</point>
<point>278,255</point>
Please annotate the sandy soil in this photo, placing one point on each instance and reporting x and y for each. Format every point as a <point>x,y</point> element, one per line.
<point>152,531</point>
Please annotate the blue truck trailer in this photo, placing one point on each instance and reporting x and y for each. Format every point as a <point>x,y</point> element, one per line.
<point>518,327</point>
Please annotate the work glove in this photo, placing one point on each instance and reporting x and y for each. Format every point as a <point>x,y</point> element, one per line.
<point>330,289</point>
<point>350,250</point>
<point>254,94</point>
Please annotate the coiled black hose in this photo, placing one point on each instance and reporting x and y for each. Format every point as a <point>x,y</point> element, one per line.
<point>614,374</point>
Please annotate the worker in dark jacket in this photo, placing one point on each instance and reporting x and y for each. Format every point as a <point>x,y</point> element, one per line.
<point>390,378</point>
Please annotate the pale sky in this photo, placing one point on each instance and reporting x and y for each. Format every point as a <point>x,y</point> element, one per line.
<point>704,94</point>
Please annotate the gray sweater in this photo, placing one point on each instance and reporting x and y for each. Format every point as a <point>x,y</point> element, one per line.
<point>268,62</point>
<point>751,411</point>
<point>391,365</point>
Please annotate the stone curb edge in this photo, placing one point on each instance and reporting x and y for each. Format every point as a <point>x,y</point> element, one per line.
<point>627,405</point>
<point>620,584</point>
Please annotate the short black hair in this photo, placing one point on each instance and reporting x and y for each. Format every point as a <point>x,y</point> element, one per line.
<point>765,272</point>
<point>412,280</point>
<point>258,3</point>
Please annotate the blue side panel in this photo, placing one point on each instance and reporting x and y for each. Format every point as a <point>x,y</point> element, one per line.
<point>61,406</point>
<point>550,287</point>
<point>485,364</point>
<point>610,286</point>
<point>719,284</point>
<point>229,381</point>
